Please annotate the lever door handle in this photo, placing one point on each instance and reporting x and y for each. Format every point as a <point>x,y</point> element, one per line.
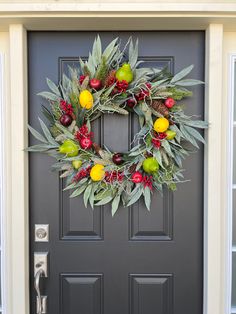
<point>40,270</point>
<point>37,288</point>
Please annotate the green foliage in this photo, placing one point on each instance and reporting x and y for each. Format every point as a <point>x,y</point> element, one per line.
<point>179,94</point>
<point>102,69</point>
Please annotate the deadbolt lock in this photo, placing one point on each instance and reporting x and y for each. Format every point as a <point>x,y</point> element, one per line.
<point>41,233</point>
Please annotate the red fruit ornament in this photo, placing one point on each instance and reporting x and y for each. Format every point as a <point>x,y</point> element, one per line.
<point>95,83</point>
<point>137,177</point>
<point>131,103</point>
<point>65,119</point>
<point>118,159</point>
<point>86,143</point>
<point>169,102</point>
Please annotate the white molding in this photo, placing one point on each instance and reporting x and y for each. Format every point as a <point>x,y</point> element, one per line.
<point>2,190</point>
<point>99,6</point>
<point>212,179</point>
<point>19,170</point>
<point>230,186</point>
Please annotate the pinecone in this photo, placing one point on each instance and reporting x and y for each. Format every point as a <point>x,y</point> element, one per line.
<point>132,168</point>
<point>110,79</point>
<point>159,106</point>
<point>97,148</point>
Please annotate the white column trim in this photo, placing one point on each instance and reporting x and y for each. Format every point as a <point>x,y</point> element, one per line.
<point>213,291</point>
<point>2,188</point>
<point>19,171</point>
<point>230,249</point>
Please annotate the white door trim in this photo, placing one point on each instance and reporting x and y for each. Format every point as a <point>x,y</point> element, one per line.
<point>17,203</point>
<point>18,182</point>
<point>212,179</point>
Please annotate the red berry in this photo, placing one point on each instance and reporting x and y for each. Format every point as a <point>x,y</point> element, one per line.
<point>131,103</point>
<point>137,177</point>
<point>66,119</point>
<point>81,79</point>
<point>95,83</point>
<point>169,102</point>
<point>86,143</point>
<point>118,159</point>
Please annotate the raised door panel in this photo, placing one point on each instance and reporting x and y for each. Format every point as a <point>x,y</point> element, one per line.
<point>151,294</point>
<point>81,293</point>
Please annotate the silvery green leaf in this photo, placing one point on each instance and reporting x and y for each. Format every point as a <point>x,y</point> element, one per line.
<point>48,115</point>
<point>135,197</point>
<point>178,160</point>
<point>66,173</point>
<point>197,124</point>
<point>49,96</point>
<point>137,109</point>
<point>110,50</point>
<point>178,133</point>
<point>83,181</point>
<point>71,186</point>
<point>157,155</point>
<point>187,136</point>
<point>103,194</point>
<point>182,74</point>
<point>81,63</point>
<point>53,87</point>
<point>73,73</point>
<point>109,90</point>
<point>134,148</point>
<point>87,194</point>
<point>137,152</point>
<point>97,49</point>
<point>164,157</point>
<point>189,82</point>
<point>91,196</point>
<point>66,82</point>
<point>47,133</point>
<point>65,131</point>
<point>37,135</point>
<point>104,201</point>
<point>167,147</point>
<point>147,197</point>
<point>159,82</point>
<point>114,108</point>
<point>65,93</point>
<point>133,57</point>
<point>195,134</point>
<point>78,191</point>
<point>115,204</point>
<point>131,47</point>
<point>39,148</point>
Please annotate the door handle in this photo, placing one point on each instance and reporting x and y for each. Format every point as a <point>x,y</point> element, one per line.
<point>41,300</point>
<point>40,270</point>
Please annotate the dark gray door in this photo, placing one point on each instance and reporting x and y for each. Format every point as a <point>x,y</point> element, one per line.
<point>138,262</point>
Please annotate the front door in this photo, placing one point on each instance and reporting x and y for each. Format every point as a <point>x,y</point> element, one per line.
<point>137,262</point>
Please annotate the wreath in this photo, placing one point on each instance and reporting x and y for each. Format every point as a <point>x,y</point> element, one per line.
<point>112,81</point>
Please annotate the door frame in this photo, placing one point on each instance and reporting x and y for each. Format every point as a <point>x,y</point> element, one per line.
<point>16,178</point>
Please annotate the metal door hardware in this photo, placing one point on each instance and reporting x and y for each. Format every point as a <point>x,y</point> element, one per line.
<point>41,303</point>
<point>41,233</point>
<point>41,263</point>
<point>40,270</point>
